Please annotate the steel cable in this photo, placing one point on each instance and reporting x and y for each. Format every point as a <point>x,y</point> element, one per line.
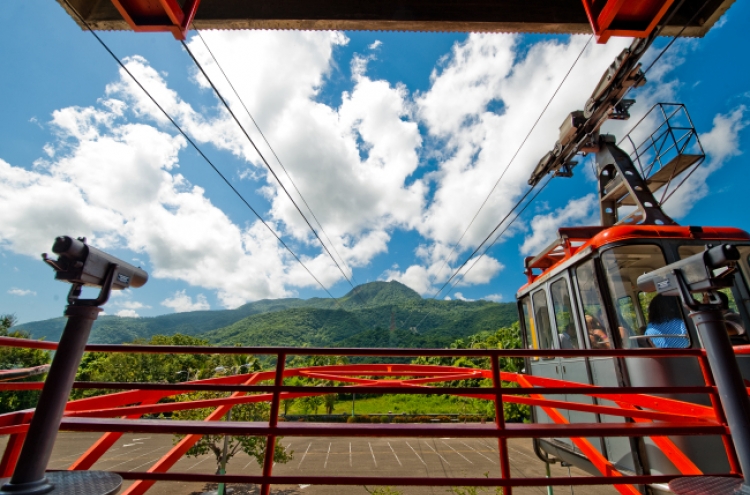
<point>196,147</point>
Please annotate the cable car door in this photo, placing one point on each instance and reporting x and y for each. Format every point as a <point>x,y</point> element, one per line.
<point>604,370</point>
<point>539,329</point>
<point>572,369</point>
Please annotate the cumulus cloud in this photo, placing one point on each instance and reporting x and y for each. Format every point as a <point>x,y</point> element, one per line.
<point>118,185</point>
<point>132,305</point>
<point>350,163</point>
<point>180,302</point>
<point>494,297</point>
<point>461,297</point>
<point>580,211</point>
<point>480,106</point>
<point>113,172</point>
<point>127,313</point>
<point>21,292</point>
<point>721,143</point>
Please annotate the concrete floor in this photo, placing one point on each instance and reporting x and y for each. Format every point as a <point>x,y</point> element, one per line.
<point>317,456</point>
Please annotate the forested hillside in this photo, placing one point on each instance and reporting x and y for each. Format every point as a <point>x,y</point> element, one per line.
<point>362,318</point>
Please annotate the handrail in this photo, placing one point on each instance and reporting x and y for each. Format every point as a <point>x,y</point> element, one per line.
<point>654,417</point>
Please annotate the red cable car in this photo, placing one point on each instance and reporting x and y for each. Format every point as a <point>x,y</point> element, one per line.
<point>582,292</point>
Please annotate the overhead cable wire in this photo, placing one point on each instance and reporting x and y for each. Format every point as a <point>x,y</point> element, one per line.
<point>268,165</point>
<point>674,38</point>
<point>663,51</point>
<point>499,235</point>
<point>518,150</point>
<point>642,76</point>
<point>196,147</point>
<point>510,212</point>
<point>273,152</point>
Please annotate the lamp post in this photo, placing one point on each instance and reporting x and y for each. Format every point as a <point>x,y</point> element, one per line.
<point>221,489</point>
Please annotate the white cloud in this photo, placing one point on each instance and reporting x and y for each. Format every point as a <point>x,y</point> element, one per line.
<point>113,172</point>
<point>721,143</point>
<point>127,313</point>
<point>482,102</point>
<point>581,211</point>
<point>180,302</point>
<point>461,297</point>
<point>375,45</point>
<point>351,163</point>
<point>132,305</point>
<point>494,297</point>
<point>415,277</point>
<point>427,280</point>
<point>21,292</point>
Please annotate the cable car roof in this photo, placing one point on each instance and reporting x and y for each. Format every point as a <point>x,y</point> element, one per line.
<point>574,240</point>
<point>517,16</point>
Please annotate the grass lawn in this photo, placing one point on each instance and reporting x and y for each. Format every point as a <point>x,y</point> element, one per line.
<point>409,404</point>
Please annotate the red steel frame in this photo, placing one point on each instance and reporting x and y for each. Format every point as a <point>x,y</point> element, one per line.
<point>114,414</point>
<point>158,16</point>
<point>628,18</point>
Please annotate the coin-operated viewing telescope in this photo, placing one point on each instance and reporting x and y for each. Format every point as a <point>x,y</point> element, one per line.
<point>79,264</point>
<point>84,265</point>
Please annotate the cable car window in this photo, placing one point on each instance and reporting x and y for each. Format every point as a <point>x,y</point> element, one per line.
<point>566,328</point>
<point>626,312</point>
<point>531,340</point>
<point>628,317</point>
<point>687,251</point>
<point>745,262</point>
<point>593,310</point>
<point>652,321</point>
<point>541,317</point>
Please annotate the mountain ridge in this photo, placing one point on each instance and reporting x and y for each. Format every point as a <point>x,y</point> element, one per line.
<point>361,318</point>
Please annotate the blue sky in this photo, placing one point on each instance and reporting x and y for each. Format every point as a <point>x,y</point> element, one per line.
<point>394,140</point>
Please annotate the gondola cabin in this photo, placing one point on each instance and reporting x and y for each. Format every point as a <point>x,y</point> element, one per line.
<point>582,294</point>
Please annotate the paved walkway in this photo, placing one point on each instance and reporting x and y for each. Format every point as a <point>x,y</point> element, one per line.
<point>418,457</point>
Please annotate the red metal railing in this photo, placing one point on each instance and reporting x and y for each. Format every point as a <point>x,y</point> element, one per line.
<point>116,413</point>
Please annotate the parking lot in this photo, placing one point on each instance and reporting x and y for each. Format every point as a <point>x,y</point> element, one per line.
<point>316,456</point>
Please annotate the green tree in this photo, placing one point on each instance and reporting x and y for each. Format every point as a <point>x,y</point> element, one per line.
<point>173,368</point>
<point>15,357</point>
<point>502,338</point>
<point>313,404</point>
<point>145,367</point>
<point>252,446</point>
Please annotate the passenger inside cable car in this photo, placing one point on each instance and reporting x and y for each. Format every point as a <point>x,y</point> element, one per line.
<point>597,336</point>
<point>665,319</point>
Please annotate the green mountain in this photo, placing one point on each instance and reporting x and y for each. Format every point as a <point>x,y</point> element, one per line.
<point>379,294</point>
<point>361,318</point>
<point>291,327</point>
<point>116,330</point>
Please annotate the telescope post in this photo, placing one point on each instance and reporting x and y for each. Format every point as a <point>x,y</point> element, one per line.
<point>29,476</point>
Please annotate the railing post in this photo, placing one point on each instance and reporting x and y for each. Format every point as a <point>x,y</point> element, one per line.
<point>732,392</point>
<point>502,441</point>
<point>273,421</point>
<point>734,464</point>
